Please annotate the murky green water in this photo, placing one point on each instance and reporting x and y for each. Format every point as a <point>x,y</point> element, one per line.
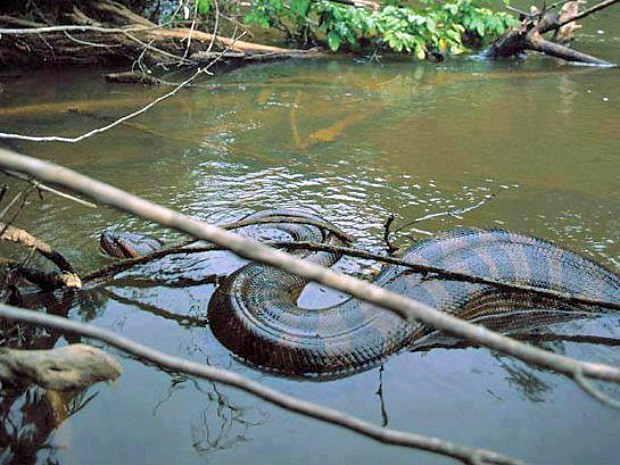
<point>355,142</point>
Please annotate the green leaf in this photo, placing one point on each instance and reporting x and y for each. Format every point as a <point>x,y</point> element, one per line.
<point>420,53</point>
<point>203,6</point>
<point>334,40</point>
<point>300,7</point>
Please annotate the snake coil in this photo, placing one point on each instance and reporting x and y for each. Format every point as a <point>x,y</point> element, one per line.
<point>255,315</point>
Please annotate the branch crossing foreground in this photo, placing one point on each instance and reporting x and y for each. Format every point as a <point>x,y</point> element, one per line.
<point>46,172</point>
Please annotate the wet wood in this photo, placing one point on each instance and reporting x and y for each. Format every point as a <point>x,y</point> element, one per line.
<point>529,34</point>
<point>13,234</point>
<point>96,37</point>
<point>132,77</point>
<point>67,368</point>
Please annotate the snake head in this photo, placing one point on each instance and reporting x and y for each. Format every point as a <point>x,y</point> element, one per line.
<point>121,244</point>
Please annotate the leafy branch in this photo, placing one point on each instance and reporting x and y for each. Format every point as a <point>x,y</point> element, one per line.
<point>435,29</point>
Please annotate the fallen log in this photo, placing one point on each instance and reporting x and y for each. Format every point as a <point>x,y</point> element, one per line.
<point>529,34</point>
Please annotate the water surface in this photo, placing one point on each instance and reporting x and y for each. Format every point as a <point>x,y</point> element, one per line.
<point>355,142</point>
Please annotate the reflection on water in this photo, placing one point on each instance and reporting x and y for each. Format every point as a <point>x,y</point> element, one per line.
<point>356,143</point>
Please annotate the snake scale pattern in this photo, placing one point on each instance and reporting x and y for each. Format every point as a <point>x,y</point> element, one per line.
<point>254,311</point>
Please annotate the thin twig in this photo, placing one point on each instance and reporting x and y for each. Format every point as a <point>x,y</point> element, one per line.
<point>518,11</point>
<point>253,250</point>
<point>578,16</point>
<point>290,403</point>
<point>387,232</point>
<point>288,219</point>
<point>191,31</point>
<point>96,131</point>
<point>51,190</point>
<point>90,44</point>
<point>426,270</point>
<point>70,28</point>
<point>216,26</point>
<point>164,53</point>
<point>453,213</point>
<point>588,387</point>
<point>6,209</point>
<point>124,118</point>
<point>23,199</point>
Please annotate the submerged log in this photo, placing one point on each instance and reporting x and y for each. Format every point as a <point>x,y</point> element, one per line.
<point>67,368</point>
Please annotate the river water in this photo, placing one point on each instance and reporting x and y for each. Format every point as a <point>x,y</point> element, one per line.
<point>355,142</point>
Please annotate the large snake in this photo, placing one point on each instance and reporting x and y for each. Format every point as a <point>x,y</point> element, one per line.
<point>254,312</point>
<point>255,315</point>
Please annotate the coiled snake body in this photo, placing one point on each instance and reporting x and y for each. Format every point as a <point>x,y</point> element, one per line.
<point>254,312</point>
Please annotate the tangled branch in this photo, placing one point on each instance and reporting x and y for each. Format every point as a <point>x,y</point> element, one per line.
<point>529,34</point>
<point>426,270</point>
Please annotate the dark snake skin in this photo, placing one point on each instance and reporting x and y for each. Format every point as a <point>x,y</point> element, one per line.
<point>127,244</point>
<point>254,312</point>
<point>255,315</point>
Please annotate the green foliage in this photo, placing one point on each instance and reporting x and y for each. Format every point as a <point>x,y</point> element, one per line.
<point>436,27</point>
<point>203,6</point>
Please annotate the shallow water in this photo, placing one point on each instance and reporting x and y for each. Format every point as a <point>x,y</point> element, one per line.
<point>355,142</point>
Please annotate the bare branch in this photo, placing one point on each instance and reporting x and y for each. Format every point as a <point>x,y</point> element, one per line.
<point>453,213</point>
<point>309,409</point>
<point>287,219</point>
<point>436,272</point>
<point>578,16</point>
<point>90,44</point>
<point>588,387</point>
<point>68,28</point>
<point>96,131</point>
<point>51,190</point>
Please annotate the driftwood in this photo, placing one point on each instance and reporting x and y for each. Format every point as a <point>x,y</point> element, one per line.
<point>529,34</point>
<point>13,234</point>
<point>107,31</point>
<point>71,367</point>
<point>43,279</point>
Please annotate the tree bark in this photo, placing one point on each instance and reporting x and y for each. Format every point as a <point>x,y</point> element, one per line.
<point>529,34</point>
